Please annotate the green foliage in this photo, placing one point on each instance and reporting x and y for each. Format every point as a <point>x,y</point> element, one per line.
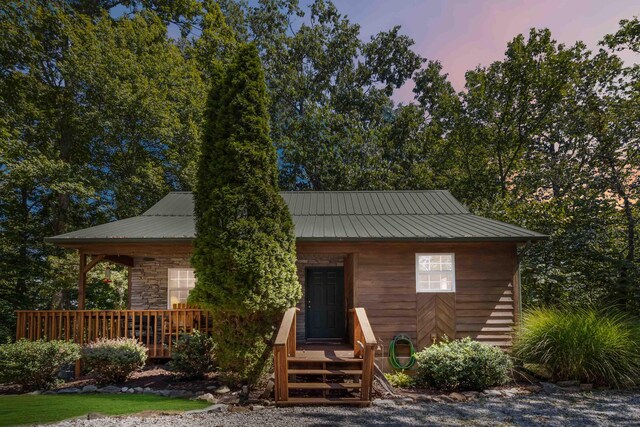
<point>113,360</point>
<point>462,365</point>
<point>35,364</point>
<point>399,379</point>
<point>244,253</point>
<point>585,344</point>
<point>193,355</point>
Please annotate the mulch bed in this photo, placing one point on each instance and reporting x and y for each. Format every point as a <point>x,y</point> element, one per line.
<point>154,376</point>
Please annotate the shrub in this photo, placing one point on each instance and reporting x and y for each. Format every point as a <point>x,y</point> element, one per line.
<point>244,252</point>
<point>462,365</point>
<point>193,355</point>
<point>35,364</point>
<point>114,360</point>
<point>593,346</point>
<point>399,379</point>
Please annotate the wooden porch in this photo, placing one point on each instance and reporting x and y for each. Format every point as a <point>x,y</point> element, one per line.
<point>324,373</point>
<point>158,330</point>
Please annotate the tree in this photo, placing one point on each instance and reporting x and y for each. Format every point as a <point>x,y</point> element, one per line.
<point>244,254</point>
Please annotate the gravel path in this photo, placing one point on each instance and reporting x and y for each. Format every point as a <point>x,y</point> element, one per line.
<point>599,408</point>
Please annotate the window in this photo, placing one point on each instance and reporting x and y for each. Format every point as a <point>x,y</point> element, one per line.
<point>181,281</point>
<point>435,273</point>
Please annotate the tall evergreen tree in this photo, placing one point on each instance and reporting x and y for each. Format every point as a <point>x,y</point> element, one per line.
<point>245,246</point>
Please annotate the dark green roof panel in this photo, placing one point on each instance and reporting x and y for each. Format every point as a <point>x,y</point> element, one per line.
<point>326,215</point>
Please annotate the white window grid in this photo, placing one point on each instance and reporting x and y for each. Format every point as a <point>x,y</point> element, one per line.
<point>181,281</point>
<point>435,272</point>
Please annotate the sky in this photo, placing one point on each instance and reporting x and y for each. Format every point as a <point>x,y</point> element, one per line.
<point>464,33</point>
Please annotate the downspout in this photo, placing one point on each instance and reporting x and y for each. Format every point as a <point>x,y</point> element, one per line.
<point>520,254</point>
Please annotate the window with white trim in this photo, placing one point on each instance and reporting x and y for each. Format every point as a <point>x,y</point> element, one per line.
<point>181,281</point>
<point>435,272</point>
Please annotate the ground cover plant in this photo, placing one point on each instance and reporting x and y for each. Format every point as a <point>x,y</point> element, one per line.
<point>585,344</point>
<point>35,364</point>
<point>399,379</point>
<point>112,361</point>
<point>30,409</point>
<point>462,365</point>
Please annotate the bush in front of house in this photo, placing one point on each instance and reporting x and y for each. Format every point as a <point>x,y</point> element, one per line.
<point>193,355</point>
<point>112,361</point>
<point>399,379</point>
<point>245,249</point>
<point>462,365</point>
<point>585,344</point>
<point>35,364</point>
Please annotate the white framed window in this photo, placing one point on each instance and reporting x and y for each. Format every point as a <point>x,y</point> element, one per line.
<point>181,281</point>
<point>436,272</point>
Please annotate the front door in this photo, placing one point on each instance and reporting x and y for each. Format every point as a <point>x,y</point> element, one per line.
<point>325,302</point>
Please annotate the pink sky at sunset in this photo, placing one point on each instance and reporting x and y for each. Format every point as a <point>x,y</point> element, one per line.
<point>465,33</point>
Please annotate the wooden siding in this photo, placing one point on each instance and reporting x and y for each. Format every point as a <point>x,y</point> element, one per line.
<point>384,284</point>
<point>436,317</point>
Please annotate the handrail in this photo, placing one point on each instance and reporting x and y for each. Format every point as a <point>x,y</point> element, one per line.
<point>364,344</point>
<point>284,346</point>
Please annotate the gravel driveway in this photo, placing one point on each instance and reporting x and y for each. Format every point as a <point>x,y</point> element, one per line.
<point>599,408</point>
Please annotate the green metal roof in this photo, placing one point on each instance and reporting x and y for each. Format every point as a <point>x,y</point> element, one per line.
<point>433,215</point>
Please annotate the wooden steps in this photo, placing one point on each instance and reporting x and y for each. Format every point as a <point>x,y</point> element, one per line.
<point>304,401</point>
<point>324,386</point>
<point>325,372</point>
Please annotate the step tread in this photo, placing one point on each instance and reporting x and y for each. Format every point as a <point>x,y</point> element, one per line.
<point>325,371</point>
<point>323,401</point>
<point>332,359</point>
<point>324,386</point>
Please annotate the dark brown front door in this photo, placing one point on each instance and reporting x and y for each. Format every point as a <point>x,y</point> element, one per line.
<point>325,302</point>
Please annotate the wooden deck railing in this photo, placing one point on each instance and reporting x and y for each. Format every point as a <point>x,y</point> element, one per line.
<point>284,347</point>
<point>364,346</point>
<point>158,330</point>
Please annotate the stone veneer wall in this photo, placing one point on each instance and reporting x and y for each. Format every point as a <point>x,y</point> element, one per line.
<point>312,260</point>
<point>150,277</point>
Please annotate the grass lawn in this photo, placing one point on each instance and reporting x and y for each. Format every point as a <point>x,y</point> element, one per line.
<point>28,409</point>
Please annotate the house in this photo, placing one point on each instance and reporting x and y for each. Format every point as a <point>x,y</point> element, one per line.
<point>415,263</point>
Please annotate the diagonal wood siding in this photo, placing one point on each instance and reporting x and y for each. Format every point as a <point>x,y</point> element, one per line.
<point>436,317</point>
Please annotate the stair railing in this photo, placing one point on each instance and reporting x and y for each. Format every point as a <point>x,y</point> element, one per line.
<point>364,345</point>
<point>284,346</point>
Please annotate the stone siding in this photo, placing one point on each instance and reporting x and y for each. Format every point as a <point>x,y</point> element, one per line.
<point>150,277</point>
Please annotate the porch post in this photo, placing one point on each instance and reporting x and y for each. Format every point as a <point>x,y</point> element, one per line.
<point>82,280</point>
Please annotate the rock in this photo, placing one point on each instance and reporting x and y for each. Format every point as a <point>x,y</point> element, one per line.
<point>95,415</point>
<point>257,407</point>
<point>443,398</point>
<point>533,388</point>
<point>223,390</point>
<point>207,396</point>
<point>458,397</point>
<point>49,392</point>
<point>109,389</point>
<point>586,387</point>
<point>89,388</point>
<point>70,390</point>
<point>131,391</point>
<point>164,393</point>
<point>124,389</point>
<point>35,392</point>
<point>565,384</point>
<point>549,388</point>
<point>510,392</point>
<point>492,393</point>
<point>238,409</point>
<point>218,407</point>
<point>138,389</point>
<point>383,402</point>
<point>268,389</point>
<point>471,394</point>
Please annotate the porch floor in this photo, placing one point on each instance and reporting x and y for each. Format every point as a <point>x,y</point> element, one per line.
<point>324,350</point>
